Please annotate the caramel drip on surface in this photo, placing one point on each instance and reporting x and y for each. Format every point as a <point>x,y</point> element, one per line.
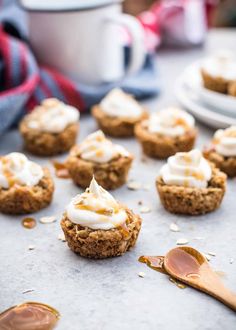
<point>154,262</point>
<point>29,223</point>
<point>61,170</point>
<point>29,316</point>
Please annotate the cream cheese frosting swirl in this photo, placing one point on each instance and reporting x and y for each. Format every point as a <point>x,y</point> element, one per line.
<point>224,141</point>
<point>221,65</point>
<point>15,168</point>
<point>97,148</point>
<point>170,122</point>
<point>53,116</point>
<point>187,169</point>
<point>96,209</point>
<point>119,104</point>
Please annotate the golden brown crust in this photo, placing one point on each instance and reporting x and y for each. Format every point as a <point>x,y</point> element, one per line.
<point>116,126</point>
<point>22,199</point>
<point>216,84</point>
<point>99,244</point>
<point>232,88</point>
<point>225,164</point>
<point>193,201</point>
<point>159,146</point>
<point>110,175</point>
<point>47,144</point>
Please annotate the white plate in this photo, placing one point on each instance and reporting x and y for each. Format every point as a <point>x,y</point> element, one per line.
<point>221,103</point>
<point>204,114</point>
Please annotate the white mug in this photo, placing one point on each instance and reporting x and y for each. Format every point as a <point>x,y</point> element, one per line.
<point>81,38</point>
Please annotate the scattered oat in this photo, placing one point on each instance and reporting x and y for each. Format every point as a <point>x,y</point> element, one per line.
<point>61,237</point>
<point>28,291</point>
<point>174,227</point>
<point>145,209</point>
<point>46,220</point>
<point>141,274</point>
<point>31,247</point>
<point>182,241</point>
<point>231,260</point>
<point>133,185</point>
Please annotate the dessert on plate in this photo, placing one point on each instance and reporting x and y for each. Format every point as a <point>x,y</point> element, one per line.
<point>222,150</point>
<point>118,113</point>
<point>189,184</point>
<point>218,71</point>
<point>97,226</point>
<point>98,156</point>
<point>51,128</point>
<point>166,132</point>
<point>25,187</point>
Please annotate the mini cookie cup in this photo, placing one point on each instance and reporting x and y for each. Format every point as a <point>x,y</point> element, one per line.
<point>193,201</point>
<point>225,164</point>
<point>100,244</point>
<point>216,84</point>
<point>110,175</point>
<point>23,199</point>
<point>45,143</point>
<point>116,126</point>
<point>232,88</point>
<point>159,146</point>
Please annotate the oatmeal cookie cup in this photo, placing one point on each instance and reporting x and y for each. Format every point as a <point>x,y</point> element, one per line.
<point>215,84</point>
<point>159,146</point>
<point>222,150</point>
<point>198,190</point>
<point>100,244</point>
<point>116,126</point>
<point>193,201</point>
<point>97,156</point>
<point>50,129</point>
<point>118,113</point>
<point>25,187</point>
<point>232,88</point>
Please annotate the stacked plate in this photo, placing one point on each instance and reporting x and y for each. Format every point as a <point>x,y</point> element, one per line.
<point>212,108</point>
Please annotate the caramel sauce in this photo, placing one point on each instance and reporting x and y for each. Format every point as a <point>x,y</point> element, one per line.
<point>124,230</point>
<point>28,223</point>
<point>29,316</point>
<point>181,122</point>
<point>154,262</point>
<point>99,153</point>
<point>183,264</point>
<point>61,170</point>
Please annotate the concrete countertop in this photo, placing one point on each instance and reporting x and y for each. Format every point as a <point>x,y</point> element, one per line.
<point>109,294</point>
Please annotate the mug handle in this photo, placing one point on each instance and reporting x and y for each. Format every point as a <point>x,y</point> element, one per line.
<point>136,31</point>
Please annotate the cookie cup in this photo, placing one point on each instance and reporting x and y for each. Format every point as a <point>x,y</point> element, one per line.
<point>110,175</point>
<point>216,84</point>
<point>193,201</point>
<point>48,144</point>
<point>23,199</point>
<point>99,244</point>
<point>116,126</point>
<point>232,88</point>
<point>160,146</point>
<point>225,164</point>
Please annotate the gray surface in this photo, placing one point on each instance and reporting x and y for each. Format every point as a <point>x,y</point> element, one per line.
<point>109,294</point>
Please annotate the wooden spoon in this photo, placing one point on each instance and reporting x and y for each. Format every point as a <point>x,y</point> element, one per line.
<point>191,267</point>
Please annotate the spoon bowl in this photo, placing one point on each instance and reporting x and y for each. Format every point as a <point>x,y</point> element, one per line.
<point>191,267</point>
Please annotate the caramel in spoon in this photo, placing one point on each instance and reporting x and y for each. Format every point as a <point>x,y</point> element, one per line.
<point>191,267</point>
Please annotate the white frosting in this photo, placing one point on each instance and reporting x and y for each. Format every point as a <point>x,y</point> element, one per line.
<point>97,148</point>
<point>15,168</point>
<point>225,141</point>
<point>53,116</point>
<point>170,122</point>
<point>222,65</point>
<point>119,104</point>
<point>96,209</point>
<point>187,169</point>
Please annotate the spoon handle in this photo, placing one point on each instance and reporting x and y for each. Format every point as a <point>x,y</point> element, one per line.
<point>224,295</point>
